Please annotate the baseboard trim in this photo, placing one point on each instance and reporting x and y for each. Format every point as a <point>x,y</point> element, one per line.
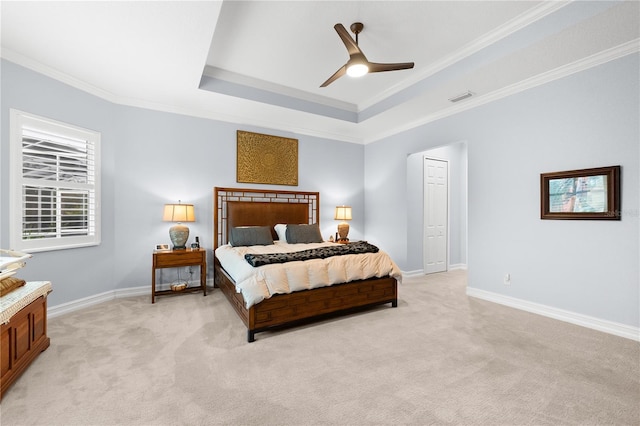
<point>621,330</point>
<point>414,273</point>
<point>458,266</point>
<point>75,305</point>
<point>419,272</point>
<point>85,302</point>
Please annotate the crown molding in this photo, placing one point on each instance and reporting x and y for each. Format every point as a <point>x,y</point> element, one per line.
<point>17,58</point>
<point>76,83</point>
<point>611,54</point>
<point>243,80</point>
<point>594,60</point>
<point>519,22</point>
<point>241,120</point>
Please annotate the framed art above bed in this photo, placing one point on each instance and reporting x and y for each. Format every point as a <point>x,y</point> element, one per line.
<point>236,208</point>
<point>266,159</point>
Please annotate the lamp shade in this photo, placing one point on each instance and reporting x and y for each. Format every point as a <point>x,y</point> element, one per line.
<point>343,213</point>
<point>178,213</point>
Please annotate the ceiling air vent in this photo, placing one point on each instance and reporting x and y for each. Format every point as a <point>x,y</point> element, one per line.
<point>461,96</point>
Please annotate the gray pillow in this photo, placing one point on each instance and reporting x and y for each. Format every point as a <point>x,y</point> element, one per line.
<point>250,236</point>
<point>303,234</point>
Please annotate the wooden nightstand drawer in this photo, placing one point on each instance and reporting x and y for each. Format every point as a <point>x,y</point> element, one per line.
<point>178,258</point>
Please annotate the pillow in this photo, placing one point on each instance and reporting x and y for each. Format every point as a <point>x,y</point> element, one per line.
<point>7,285</point>
<point>250,236</point>
<point>303,234</point>
<point>281,231</point>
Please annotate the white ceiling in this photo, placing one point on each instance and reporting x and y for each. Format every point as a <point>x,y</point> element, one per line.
<point>261,62</point>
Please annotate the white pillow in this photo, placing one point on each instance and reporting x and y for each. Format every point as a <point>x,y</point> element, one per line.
<point>281,231</point>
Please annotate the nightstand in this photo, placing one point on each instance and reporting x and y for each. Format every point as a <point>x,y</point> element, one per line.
<point>177,259</point>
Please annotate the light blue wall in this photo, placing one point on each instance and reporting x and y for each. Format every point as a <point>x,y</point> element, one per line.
<point>589,119</point>
<point>151,158</point>
<point>75,273</point>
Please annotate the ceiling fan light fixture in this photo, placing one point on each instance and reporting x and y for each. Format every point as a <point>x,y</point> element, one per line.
<point>357,66</point>
<point>357,70</point>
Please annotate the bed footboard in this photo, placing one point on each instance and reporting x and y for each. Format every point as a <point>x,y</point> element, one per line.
<point>287,309</point>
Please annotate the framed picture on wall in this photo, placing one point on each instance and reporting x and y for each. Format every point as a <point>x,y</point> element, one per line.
<point>581,194</point>
<point>266,159</point>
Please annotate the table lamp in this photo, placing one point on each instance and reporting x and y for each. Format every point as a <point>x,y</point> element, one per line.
<point>179,233</point>
<point>343,213</point>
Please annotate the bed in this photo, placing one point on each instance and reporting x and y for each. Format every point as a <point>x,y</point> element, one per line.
<point>240,207</point>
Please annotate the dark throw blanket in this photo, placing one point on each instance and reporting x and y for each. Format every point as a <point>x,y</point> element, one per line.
<point>318,253</point>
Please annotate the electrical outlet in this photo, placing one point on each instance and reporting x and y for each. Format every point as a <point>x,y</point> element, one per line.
<point>507,279</point>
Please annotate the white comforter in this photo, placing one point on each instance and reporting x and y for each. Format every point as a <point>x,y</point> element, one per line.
<point>257,284</point>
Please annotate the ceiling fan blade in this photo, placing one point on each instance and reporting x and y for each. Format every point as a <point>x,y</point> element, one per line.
<point>373,67</point>
<point>342,71</point>
<point>349,43</point>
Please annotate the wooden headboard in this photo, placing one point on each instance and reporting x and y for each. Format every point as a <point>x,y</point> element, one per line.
<point>260,207</point>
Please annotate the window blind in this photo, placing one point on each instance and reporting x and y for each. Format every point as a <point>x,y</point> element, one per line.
<point>58,185</point>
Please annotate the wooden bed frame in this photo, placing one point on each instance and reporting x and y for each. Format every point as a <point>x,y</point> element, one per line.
<point>246,207</point>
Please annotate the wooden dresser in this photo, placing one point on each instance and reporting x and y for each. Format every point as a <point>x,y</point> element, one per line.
<point>23,314</point>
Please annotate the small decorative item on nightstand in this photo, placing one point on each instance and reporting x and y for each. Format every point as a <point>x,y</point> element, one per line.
<point>343,213</point>
<point>178,286</point>
<point>196,245</point>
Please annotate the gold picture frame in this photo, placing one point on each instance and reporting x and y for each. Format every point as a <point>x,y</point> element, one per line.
<point>266,159</point>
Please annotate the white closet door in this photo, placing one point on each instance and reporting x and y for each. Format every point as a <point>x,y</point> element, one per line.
<point>436,189</point>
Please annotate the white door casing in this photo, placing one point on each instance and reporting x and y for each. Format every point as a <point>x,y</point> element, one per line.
<point>436,195</point>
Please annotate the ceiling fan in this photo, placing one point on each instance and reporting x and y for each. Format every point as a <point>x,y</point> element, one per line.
<point>358,65</point>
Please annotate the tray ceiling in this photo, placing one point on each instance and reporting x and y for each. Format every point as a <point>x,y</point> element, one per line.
<point>261,62</point>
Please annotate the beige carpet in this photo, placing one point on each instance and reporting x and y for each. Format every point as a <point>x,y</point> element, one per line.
<point>439,358</point>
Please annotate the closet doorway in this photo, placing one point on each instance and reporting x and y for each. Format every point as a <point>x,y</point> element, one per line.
<point>436,213</point>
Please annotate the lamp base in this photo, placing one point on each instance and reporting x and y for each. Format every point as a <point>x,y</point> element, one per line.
<point>343,231</point>
<point>179,235</point>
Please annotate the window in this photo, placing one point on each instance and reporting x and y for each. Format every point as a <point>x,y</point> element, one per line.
<point>55,184</point>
